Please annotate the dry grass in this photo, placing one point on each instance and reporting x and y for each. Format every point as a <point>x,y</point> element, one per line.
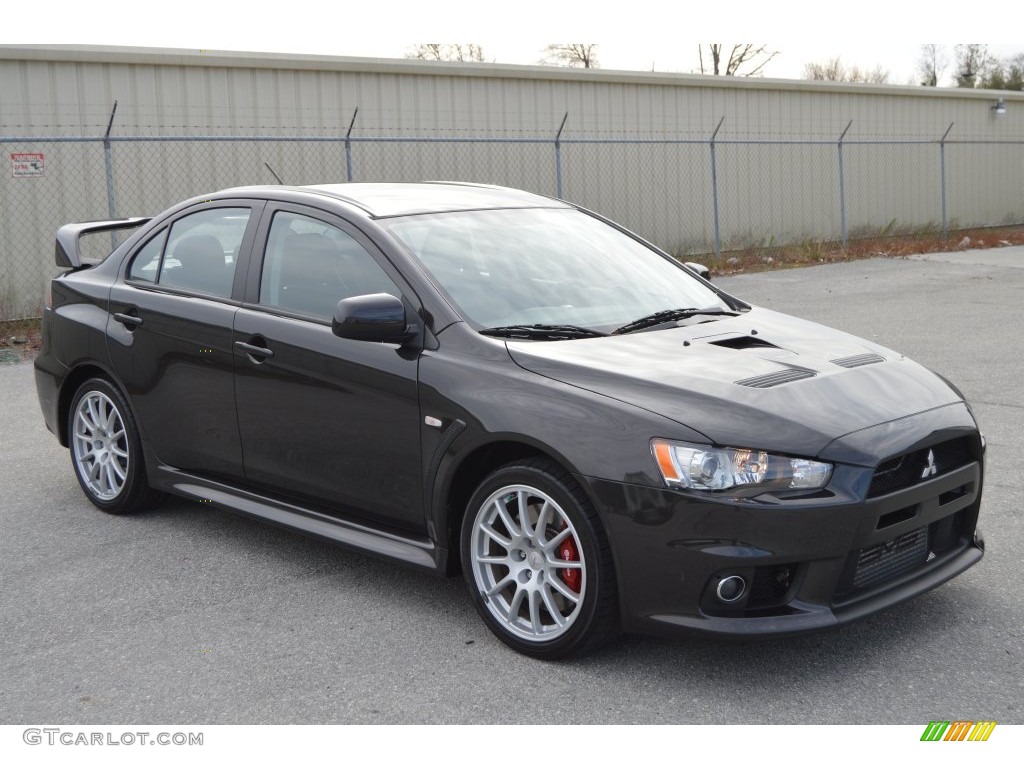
<point>759,257</point>
<point>20,340</point>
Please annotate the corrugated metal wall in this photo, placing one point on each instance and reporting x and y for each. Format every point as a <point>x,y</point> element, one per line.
<point>66,90</point>
<point>773,182</point>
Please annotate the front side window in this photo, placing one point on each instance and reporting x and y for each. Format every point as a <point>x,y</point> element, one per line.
<point>311,265</point>
<point>198,254</point>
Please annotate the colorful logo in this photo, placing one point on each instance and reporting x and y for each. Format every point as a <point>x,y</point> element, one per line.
<point>958,730</point>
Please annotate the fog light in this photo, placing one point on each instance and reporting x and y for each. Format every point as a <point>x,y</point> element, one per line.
<point>730,589</point>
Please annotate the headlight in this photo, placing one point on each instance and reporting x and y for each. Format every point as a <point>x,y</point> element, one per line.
<point>704,468</point>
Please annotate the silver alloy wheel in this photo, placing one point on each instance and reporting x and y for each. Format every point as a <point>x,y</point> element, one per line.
<point>516,550</point>
<point>100,446</point>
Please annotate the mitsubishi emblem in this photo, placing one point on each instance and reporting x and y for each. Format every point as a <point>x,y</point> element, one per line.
<point>930,469</point>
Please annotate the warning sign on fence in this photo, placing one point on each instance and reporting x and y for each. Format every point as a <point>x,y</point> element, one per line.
<point>27,164</point>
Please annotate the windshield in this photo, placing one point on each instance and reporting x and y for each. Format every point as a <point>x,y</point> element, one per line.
<point>546,266</point>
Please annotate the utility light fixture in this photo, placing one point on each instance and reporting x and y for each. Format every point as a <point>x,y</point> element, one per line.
<point>999,107</point>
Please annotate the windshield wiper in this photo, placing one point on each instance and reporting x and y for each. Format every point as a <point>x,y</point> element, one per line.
<point>546,332</point>
<point>670,315</point>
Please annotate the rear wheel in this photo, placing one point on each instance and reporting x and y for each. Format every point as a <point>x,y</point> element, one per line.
<point>537,563</point>
<point>105,449</point>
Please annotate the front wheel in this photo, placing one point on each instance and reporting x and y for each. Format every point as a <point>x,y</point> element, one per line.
<point>105,449</point>
<point>537,563</point>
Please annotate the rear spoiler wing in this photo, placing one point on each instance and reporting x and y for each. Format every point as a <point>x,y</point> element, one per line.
<point>68,252</point>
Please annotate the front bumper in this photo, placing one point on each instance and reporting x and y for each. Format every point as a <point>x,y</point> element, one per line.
<point>807,617</point>
<point>808,563</point>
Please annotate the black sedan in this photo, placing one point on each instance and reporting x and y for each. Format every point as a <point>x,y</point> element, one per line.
<point>462,377</point>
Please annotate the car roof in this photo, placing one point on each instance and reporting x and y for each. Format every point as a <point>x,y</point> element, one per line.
<point>384,199</point>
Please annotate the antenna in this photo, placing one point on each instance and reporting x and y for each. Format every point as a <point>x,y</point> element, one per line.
<point>273,174</point>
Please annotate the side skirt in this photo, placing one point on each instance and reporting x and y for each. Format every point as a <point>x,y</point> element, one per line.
<point>418,552</point>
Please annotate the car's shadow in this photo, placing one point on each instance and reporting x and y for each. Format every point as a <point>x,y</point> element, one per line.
<point>415,595</point>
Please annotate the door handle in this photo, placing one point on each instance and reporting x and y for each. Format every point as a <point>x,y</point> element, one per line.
<point>253,351</point>
<point>128,320</point>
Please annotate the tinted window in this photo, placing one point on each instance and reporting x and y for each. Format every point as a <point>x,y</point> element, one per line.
<point>146,265</point>
<point>310,266</point>
<point>202,250</point>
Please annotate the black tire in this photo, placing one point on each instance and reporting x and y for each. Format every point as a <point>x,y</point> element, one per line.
<point>106,452</point>
<point>531,607</point>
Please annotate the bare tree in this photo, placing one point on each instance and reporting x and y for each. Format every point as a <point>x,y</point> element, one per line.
<point>571,55</point>
<point>1005,75</point>
<point>835,71</point>
<point>446,52</point>
<point>932,64</point>
<point>749,56</point>
<point>832,69</point>
<point>972,63</point>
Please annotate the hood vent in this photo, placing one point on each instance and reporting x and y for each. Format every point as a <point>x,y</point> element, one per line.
<point>856,361</point>
<point>743,342</point>
<point>778,377</point>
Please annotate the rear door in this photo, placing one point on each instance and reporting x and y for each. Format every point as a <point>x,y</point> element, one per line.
<point>329,422</point>
<point>170,330</point>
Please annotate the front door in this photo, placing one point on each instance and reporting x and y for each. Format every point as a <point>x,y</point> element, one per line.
<point>329,422</point>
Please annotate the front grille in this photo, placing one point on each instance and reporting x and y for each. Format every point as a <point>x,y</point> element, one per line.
<point>891,559</point>
<point>915,467</point>
<point>881,563</point>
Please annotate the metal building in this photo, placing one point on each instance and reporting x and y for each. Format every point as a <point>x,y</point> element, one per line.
<point>694,163</point>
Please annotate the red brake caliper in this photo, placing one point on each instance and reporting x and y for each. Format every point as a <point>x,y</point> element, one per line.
<point>573,577</point>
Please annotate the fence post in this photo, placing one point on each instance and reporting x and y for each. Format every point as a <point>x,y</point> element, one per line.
<point>558,158</point>
<point>942,175</point>
<point>348,146</point>
<point>842,184</point>
<point>714,190</point>
<point>108,161</point>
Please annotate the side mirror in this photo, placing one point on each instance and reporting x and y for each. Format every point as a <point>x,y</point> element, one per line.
<point>700,269</point>
<point>378,317</point>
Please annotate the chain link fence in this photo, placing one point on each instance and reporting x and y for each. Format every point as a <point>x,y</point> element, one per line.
<point>690,196</point>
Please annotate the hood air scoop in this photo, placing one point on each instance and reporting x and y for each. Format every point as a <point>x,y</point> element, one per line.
<point>856,361</point>
<point>776,377</point>
<point>743,342</point>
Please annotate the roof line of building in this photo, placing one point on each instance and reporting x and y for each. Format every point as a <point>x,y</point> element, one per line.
<point>101,54</point>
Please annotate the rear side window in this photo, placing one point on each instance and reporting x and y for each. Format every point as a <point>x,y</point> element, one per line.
<point>146,264</point>
<point>311,265</point>
<point>198,254</point>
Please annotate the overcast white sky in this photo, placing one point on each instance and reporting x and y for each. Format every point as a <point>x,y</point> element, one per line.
<point>638,35</point>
